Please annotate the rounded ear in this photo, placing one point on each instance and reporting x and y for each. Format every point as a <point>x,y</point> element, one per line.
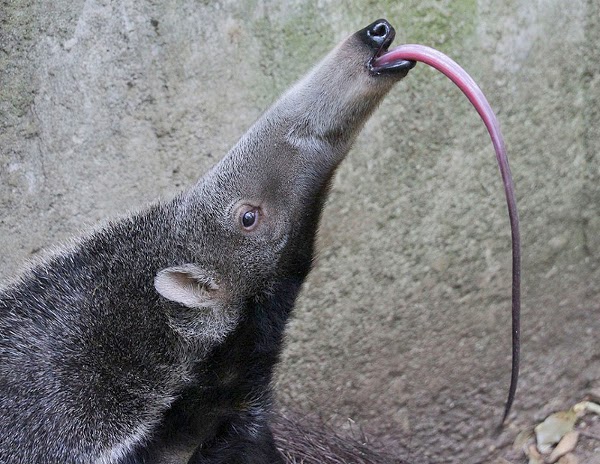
<point>188,285</point>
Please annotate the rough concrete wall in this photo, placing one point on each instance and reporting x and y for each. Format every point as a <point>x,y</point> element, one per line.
<point>404,324</point>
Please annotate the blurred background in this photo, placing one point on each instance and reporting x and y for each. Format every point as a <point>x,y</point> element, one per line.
<point>403,328</point>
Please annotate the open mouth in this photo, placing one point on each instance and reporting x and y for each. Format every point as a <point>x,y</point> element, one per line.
<point>397,66</point>
<point>379,65</point>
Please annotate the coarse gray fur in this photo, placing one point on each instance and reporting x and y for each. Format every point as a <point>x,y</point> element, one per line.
<point>153,338</point>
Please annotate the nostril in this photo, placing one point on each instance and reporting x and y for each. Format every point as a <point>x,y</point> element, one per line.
<point>380,30</point>
<point>378,34</point>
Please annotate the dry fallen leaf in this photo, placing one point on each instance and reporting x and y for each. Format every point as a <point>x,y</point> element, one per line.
<point>557,431</point>
<point>556,425</point>
<point>587,406</point>
<point>534,455</point>
<point>565,445</point>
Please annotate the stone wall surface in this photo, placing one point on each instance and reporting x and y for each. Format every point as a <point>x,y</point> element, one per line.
<point>404,323</point>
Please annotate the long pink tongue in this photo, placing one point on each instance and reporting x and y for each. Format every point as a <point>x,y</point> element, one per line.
<point>468,86</point>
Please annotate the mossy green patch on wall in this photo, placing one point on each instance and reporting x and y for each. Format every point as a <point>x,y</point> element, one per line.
<point>435,22</point>
<point>291,34</point>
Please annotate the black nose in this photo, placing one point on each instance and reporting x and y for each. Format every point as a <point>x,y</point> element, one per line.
<point>378,35</point>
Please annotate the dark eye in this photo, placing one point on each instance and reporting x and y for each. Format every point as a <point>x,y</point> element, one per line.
<point>249,218</point>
